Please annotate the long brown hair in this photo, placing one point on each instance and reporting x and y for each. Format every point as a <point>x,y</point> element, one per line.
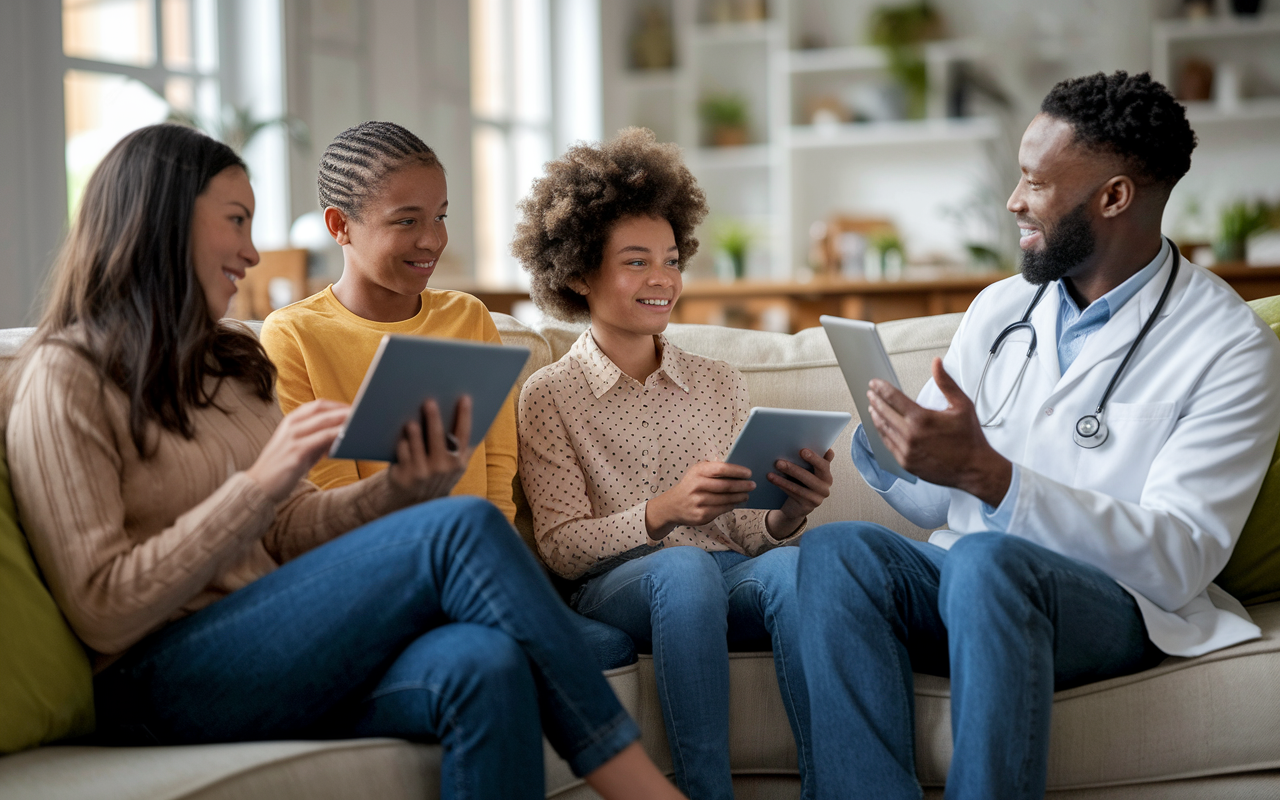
<point>124,291</point>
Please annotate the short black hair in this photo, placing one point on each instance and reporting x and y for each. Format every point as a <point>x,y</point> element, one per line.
<point>356,162</point>
<point>1130,116</point>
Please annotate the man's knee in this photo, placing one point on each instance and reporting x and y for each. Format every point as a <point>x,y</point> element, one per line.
<point>842,551</point>
<point>988,568</point>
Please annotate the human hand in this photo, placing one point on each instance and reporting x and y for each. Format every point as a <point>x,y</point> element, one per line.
<point>427,466</point>
<point>298,442</point>
<point>945,447</point>
<point>705,491</point>
<point>805,491</point>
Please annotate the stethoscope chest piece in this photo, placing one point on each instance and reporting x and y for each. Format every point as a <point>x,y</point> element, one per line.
<point>1090,431</point>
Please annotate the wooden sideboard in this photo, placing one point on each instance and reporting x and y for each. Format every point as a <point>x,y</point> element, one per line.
<point>762,305</point>
<point>791,307</point>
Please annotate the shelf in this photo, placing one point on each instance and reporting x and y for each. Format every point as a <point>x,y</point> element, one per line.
<point>849,59</point>
<point>726,33</point>
<point>1248,110</point>
<point>1225,27</point>
<point>834,59</point>
<point>748,156</point>
<point>651,80</point>
<point>864,134</point>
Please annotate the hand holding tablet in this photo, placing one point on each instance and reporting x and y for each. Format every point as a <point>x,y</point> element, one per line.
<point>408,370</point>
<point>779,434</point>
<point>862,358</point>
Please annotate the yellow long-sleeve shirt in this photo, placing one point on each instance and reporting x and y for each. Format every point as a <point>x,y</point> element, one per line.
<point>322,350</point>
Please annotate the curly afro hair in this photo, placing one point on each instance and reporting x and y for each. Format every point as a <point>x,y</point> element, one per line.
<point>1132,117</point>
<point>569,214</point>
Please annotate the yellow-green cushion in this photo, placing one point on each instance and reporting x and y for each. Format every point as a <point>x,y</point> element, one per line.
<point>46,685</point>
<point>1253,573</point>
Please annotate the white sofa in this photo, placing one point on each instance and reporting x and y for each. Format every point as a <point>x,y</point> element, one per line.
<point>1190,728</point>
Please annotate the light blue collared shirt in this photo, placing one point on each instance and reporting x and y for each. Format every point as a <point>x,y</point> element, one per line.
<point>1074,329</point>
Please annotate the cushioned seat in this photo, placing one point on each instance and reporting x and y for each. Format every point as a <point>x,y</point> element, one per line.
<point>1190,728</point>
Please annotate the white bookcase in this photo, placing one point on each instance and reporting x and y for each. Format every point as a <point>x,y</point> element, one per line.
<point>1251,45</point>
<point>792,173</point>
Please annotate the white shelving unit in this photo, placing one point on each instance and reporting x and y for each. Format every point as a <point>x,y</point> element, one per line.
<point>768,181</point>
<point>1250,44</point>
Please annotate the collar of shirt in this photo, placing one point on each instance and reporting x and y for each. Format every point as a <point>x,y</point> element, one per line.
<point>1076,326</point>
<point>602,374</point>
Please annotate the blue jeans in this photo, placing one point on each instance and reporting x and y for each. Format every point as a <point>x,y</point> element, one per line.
<point>688,606</point>
<point>1009,621</point>
<point>433,624</point>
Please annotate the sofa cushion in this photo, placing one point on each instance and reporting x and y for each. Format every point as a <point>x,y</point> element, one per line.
<point>46,686</point>
<point>1253,573</point>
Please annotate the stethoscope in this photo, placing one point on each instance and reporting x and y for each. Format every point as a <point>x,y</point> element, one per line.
<point>1090,430</point>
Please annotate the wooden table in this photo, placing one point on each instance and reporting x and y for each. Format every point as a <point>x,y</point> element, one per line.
<point>792,306</point>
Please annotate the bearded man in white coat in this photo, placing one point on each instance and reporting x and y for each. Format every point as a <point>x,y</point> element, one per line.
<point>1087,514</point>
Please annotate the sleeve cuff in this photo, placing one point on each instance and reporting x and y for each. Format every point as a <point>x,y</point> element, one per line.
<point>866,464</point>
<point>804,524</point>
<point>997,519</point>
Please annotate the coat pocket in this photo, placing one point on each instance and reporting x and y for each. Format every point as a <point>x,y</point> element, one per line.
<point>1136,432</point>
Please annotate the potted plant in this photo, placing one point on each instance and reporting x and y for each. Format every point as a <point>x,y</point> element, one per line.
<point>732,240</point>
<point>901,31</point>
<point>725,117</point>
<point>1238,222</point>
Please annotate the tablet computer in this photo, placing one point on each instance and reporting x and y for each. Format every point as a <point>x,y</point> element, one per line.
<point>406,371</point>
<point>781,433</point>
<point>862,357</point>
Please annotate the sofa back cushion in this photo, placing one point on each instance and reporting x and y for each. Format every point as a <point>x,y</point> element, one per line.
<point>1253,573</point>
<point>46,685</point>
<point>785,371</point>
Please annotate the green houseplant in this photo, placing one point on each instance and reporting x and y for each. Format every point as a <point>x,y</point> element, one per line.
<point>733,239</point>
<point>725,117</point>
<point>1238,222</point>
<point>901,32</point>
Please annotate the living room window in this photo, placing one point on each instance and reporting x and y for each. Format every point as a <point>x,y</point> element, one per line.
<point>130,63</point>
<point>530,99</point>
<point>214,63</point>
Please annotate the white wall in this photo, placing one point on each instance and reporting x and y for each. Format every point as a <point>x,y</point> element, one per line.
<point>33,195</point>
<point>402,61</point>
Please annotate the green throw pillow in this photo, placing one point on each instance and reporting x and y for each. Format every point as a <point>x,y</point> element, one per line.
<point>1253,573</point>
<point>46,684</point>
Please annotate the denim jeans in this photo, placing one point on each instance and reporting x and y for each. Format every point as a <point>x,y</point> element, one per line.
<point>1009,621</point>
<point>688,606</point>
<point>433,624</point>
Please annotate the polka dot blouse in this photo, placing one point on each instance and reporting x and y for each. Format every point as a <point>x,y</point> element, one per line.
<point>596,445</point>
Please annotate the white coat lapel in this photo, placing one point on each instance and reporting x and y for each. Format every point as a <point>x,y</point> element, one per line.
<point>1045,320</point>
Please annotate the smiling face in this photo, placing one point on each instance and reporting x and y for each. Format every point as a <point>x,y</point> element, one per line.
<point>221,246</point>
<point>392,249</point>
<point>639,279</point>
<point>1053,199</point>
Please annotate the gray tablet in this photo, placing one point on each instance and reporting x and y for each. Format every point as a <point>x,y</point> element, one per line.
<point>406,371</point>
<point>862,357</point>
<point>772,434</point>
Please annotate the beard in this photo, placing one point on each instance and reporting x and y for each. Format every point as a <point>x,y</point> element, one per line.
<point>1066,246</point>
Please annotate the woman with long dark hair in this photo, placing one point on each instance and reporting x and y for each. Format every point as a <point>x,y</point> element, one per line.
<point>224,598</point>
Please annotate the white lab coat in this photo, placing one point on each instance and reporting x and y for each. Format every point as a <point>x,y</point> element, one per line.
<point>1160,505</point>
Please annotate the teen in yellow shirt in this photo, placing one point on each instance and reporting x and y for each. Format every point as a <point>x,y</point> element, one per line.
<point>385,198</point>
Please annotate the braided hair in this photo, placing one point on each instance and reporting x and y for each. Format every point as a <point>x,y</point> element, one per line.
<point>358,159</point>
<point>1130,116</point>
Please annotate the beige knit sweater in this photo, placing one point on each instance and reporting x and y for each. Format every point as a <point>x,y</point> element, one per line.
<point>127,544</point>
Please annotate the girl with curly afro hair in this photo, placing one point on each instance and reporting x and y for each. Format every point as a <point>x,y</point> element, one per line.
<point>622,444</point>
